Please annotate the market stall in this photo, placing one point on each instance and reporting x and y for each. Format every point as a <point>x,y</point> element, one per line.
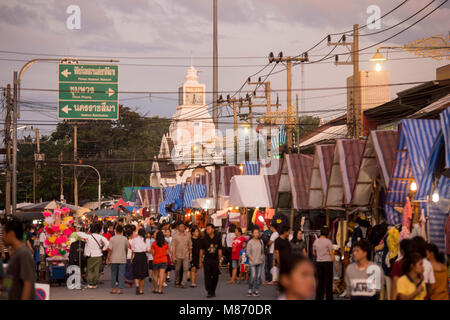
<point>418,142</point>
<point>344,171</point>
<point>377,161</point>
<point>320,172</point>
<point>271,171</point>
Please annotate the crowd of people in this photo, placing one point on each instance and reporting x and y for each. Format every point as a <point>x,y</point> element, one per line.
<point>420,272</point>
<point>146,249</point>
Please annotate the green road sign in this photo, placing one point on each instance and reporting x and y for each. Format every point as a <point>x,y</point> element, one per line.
<point>88,92</point>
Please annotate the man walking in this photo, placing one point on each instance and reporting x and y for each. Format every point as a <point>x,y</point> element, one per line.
<point>283,247</point>
<point>95,244</point>
<point>117,257</point>
<point>20,274</point>
<point>210,257</point>
<point>182,253</point>
<point>271,245</point>
<point>255,252</point>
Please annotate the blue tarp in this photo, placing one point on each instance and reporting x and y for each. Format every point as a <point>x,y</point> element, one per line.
<point>419,144</point>
<point>251,167</point>
<point>171,195</point>
<point>191,192</point>
<point>416,138</point>
<point>445,125</point>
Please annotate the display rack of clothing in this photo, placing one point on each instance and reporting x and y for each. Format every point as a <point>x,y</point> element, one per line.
<point>309,237</point>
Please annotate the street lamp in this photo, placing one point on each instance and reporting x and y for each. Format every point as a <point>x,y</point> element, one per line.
<point>378,58</point>
<point>99,179</point>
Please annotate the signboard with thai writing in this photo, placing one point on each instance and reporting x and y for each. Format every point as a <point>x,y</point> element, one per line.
<point>88,91</point>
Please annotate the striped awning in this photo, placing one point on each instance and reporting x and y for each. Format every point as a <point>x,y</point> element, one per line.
<point>226,173</point>
<point>445,125</point>
<point>416,139</point>
<point>191,192</point>
<point>251,167</point>
<point>299,171</point>
<point>271,170</point>
<point>150,197</point>
<point>344,171</point>
<point>378,158</point>
<point>320,172</point>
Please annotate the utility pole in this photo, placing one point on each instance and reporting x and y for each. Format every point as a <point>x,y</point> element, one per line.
<point>298,124</point>
<point>14,157</point>
<point>288,63</point>
<point>354,109</point>
<point>268,105</point>
<point>75,173</point>
<point>37,157</point>
<point>215,67</point>
<point>8,151</point>
<point>61,178</point>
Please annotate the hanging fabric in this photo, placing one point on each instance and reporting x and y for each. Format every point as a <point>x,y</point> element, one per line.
<point>406,220</point>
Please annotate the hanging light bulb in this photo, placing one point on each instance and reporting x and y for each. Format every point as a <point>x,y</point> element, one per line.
<point>435,197</point>
<point>260,218</point>
<point>413,186</point>
<point>378,67</point>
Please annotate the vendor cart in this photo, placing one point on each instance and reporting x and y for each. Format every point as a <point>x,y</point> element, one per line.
<point>56,270</point>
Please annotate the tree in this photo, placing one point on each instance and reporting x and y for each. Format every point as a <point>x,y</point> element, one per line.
<point>306,124</point>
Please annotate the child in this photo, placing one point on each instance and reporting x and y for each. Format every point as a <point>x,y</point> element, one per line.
<point>244,262</point>
<point>149,241</point>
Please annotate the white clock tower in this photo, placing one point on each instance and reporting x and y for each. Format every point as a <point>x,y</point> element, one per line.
<point>192,123</point>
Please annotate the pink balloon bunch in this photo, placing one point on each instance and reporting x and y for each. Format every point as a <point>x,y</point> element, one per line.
<point>65,210</point>
<point>60,240</point>
<point>47,214</point>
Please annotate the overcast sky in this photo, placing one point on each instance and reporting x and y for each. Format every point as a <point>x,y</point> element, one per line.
<point>183,28</point>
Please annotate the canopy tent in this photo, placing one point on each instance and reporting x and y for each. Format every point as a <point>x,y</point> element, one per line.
<point>226,174</point>
<point>249,191</point>
<point>120,203</point>
<point>299,172</point>
<point>344,171</point>
<point>377,160</point>
<point>203,203</point>
<point>251,167</point>
<point>130,194</point>
<point>208,179</point>
<point>320,172</point>
<point>191,192</point>
<point>271,170</point>
<point>445,125</point>
<point>150,198</point>
<point>416,138</point>
<point>434,180</point>
<point>201,179</point>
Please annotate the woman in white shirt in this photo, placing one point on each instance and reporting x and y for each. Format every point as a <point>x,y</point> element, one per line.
<point>140,264</point>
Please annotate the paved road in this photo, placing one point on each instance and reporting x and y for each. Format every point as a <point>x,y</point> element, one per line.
<point>224,291</point>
